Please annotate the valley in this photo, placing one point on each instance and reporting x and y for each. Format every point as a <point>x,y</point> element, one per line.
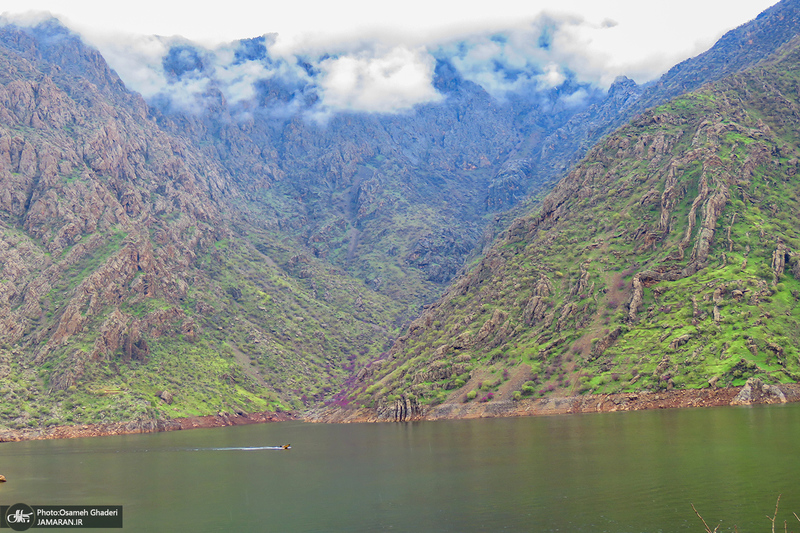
<point>163,263</point>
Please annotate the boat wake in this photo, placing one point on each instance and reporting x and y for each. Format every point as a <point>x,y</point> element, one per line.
<point>241,448</point>
<point>157,450</point>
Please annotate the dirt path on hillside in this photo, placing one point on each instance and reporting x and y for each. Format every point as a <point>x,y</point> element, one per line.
<point>247,365</point>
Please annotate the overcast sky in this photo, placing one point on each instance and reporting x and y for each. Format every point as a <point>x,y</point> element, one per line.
<point>383,49</point>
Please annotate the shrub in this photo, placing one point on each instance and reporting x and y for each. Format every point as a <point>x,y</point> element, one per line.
<point>471,395</point>
<point>528,388</point>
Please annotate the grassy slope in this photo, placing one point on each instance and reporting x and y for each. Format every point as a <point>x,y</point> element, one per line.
<point>548,310</point>
<point>262,340</point>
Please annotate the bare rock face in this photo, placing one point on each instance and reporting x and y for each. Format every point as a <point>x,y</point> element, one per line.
<point>509,185</point>
<point>406,410</point>
<point>538,304</point>
<point>492,325</point>
<point>755,391</point>
<point>99,209</point>
<point>165,396</point>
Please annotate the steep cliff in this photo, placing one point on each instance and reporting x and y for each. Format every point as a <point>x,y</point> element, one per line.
<point>396,200</point>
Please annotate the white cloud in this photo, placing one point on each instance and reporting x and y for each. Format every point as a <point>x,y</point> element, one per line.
<point>139,61</point>
<point>552,76</point>
<point>522,58</point>
<point>136,59</point>
<point>238,80</point>
<point>25,18</point>
<point>387,82</point>
<point>576,99</point>
<point>379,58</point>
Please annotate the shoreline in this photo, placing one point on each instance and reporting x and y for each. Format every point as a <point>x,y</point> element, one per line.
<point>753,393</point>
<point>144,426</point>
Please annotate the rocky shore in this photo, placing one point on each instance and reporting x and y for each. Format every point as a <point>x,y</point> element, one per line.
<point>753,393</point>
<point>143,426</point>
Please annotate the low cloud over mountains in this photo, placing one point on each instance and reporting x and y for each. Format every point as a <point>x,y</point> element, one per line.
<point>389,73</point>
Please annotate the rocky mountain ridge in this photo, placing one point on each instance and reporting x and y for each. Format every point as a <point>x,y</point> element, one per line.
<point>666,259</point>
<point>128,290</point>
<point>369,192</point>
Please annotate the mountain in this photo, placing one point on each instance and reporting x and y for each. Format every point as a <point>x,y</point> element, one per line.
<point>668,258</point>
<point>131,286</point>
<point>402,200</point>
<point>735,51</point>
<point>397,200</point>
<point>160,260</point>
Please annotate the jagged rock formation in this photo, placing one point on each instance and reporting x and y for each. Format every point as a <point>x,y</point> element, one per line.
<point>659,262</point>
<point>754,391</point>
<point>87,179</point>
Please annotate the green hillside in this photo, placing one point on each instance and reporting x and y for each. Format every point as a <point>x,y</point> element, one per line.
<point>667,259</point>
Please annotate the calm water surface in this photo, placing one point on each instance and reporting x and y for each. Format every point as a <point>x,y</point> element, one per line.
<point>615,472</point>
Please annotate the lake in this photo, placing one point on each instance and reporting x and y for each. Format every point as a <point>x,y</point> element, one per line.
<point>611,472</point>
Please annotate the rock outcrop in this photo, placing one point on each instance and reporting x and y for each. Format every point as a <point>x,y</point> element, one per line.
<point>755,391</point>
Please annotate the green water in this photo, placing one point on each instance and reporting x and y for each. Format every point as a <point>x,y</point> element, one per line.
<point>616,472</point>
